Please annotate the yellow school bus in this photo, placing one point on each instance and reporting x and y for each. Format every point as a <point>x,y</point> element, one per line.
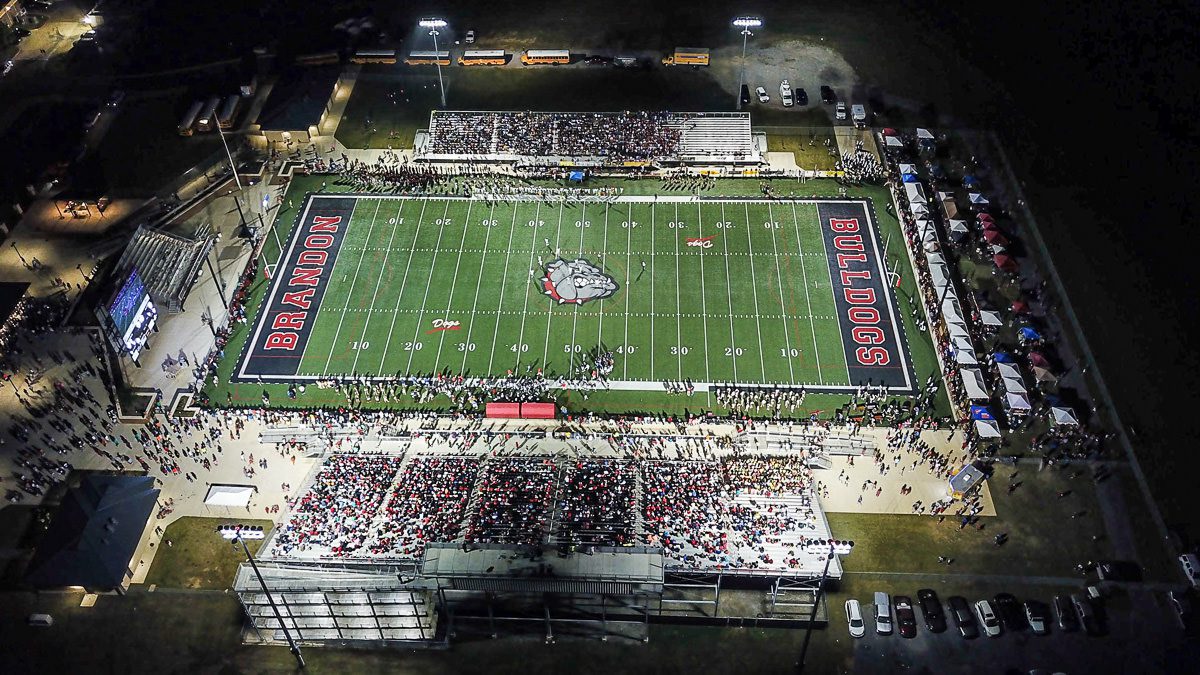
<point>483,57</point>
<point>533,57</point>
<point>386,56</point>
<point>687,56</point>
<point>428,59</point>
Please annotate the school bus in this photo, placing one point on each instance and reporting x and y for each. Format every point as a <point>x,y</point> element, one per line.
<point>187,125</point>
<point>387,56</point>
<point>687,56</point>
<point>319,59</point>
<point>483,57</point>
<point>532,57</point>
<point>428,59</point>
<point>228,111</point>
<point>208,115</point>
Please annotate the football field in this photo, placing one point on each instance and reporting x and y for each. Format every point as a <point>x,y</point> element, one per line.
<point>712,291</point>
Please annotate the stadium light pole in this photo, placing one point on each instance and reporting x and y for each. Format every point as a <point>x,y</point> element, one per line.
<point>239,534</point>
<point>745,23</point>
<point>835,547</point>
<point>433,25</point>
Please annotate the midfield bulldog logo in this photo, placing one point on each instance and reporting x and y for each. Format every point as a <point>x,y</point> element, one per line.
<point>577,281</point>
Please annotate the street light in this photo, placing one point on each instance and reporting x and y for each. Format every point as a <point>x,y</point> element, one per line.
<point>834,547</point>
<point>433,25</point>
<point>240,533</point>
<point>745,23</point>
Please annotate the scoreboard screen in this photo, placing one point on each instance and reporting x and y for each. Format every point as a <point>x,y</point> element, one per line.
<point>132,315</point>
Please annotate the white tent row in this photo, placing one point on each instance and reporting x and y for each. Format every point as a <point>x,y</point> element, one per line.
<point>973,383</point>
<point>940,277</point>
<point>1013,386</point>
<point>919,209</point>
<point>965,357</point>
<point>951,312</point>
<point>1008,371</point>
<point>959,331</point>
<point>1017,402</point>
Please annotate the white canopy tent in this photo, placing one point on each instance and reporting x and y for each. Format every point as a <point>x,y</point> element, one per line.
<point>1064,417</point>
<point>915,193</point>
<point>958,331</point>
<point>918,209</point>
<point>965,357</point>
<point>908,168</point>
<point>1013,386</point>
<point>977,199</point>
<point>990,318</point>
<point>893,142</point>
<point>951,313</point>
<point>229,495</point>
<point>1008,371</point>
<point>1017,402</point>
<point>987,428</point>
<point>924,133</point>
<point>972,381</point>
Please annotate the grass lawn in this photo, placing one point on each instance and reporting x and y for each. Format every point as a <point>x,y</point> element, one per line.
<point>198,557</point>
<point>1043,539</point>
<point>809,149</point>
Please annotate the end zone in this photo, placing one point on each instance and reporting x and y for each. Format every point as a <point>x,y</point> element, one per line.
<point>871,330</point>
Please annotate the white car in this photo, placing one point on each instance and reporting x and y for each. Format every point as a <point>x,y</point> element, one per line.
<point>785,93</point>
<point>762,95</point>
<point>840,110</point>
<point>987,617</point>
<point>1191,568</point>
<point>854,619</point>
<point>470,38</point>
<point>883,613</point>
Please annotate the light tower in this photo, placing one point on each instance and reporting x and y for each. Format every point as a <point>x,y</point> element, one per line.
<point>745,23</point>
<point>433,25</point>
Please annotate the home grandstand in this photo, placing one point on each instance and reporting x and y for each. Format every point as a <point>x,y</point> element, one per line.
<point>608,139</point>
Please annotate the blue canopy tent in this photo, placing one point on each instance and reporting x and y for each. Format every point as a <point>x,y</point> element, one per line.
<point>970,182</point>
<point>981,412</point>
<point>910,178</point>
<point>1003,357</point>
<point>1029,334</point>
<point>576,176</point>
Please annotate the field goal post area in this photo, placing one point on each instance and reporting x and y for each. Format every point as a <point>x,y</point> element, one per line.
<point>861,295</point>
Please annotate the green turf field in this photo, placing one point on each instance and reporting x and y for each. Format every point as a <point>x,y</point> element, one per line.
<point>752,305</point>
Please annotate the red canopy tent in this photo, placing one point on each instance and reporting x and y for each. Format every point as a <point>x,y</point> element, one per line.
<point>504,410</point>
<point>985,218</point>
<point>1005,262</point>
<point>1020,307</point>
<point>1038,360</point>
<point>994,237</point>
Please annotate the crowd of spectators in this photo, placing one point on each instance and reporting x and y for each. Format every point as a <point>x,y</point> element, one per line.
<point>337,512</point>
<point>623,136</point>
<point>597,503</point>
<point>427,505</point>
<point>514,498</point>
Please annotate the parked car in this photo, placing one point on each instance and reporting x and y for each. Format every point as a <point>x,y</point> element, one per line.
<point>1087,614</point>
<point>960,611</point>
<point>1009,610</point>
<point>931,610</point>
<point>827,95</point>
<point>597,60</point>
<point>785,93</point>
<point>840,111</point>
<point>854,619</point>
<point>470,37</point>
<point>987,617</point>
<point>1182,605</point>
<point>762,95</point>
<point>114,99</point>
<point>801,96</point>
<point>1191,568</point>
<point>906,618</point>
<point>1038,616</point>
<point>1067,620</point>
<point>883,614</point>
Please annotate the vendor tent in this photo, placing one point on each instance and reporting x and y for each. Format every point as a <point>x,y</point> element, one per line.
<point>970,182</point>
<point>973,383</point>
<point>924,133</point>
<point>985,218</point>
<point>1064,417</point>
<point>958,229</point>
<point>995,238</point>
<point>1005,262</point>
<point>1044,375</point>
<point>977,199</point>
<point>893,142</point>
<point>940,279</point>
<point>987,429</point>
<point>1013,385</point>
<point>1008,370</point>
<point>1016,402</point>
<point>915,193</point>
<point>910,178</point>
<point>1036,359</point>
<point>1029,334</point>
<point>229,495</point>
<point>951,313</point>
<point>908,168</point>
<point>1003,357</point>
<point>965,357</point>
<point>919,209</point>
<point>990,318</point>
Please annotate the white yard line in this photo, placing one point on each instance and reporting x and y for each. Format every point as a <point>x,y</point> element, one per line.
<point>403,284</point>
<point>628,271</point>
<point>678,320</point>
<point>503,278</point>
<point>729,295</point>
<point>754,286</point>
<point>342,318</point>
<point>437,359</point>
<point>652,228</point>
<point>550,310</point>
<point>603,264</point>
<point>479,284</point>
<point>383,268</point>
<point>575,315</point>
<point>804,272</point>
<point>525,308</point>
<point>703,300</point>
<point>782,303</point>
<point>412,346</point>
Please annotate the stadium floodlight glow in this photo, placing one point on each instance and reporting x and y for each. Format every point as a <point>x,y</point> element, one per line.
<point>232,532</point>
<point>238,534</point>
<point>433,25</point>
<point>745,23</point>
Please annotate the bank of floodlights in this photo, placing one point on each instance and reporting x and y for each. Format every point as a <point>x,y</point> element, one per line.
<point>747,22</point>
<point>432,23</point>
